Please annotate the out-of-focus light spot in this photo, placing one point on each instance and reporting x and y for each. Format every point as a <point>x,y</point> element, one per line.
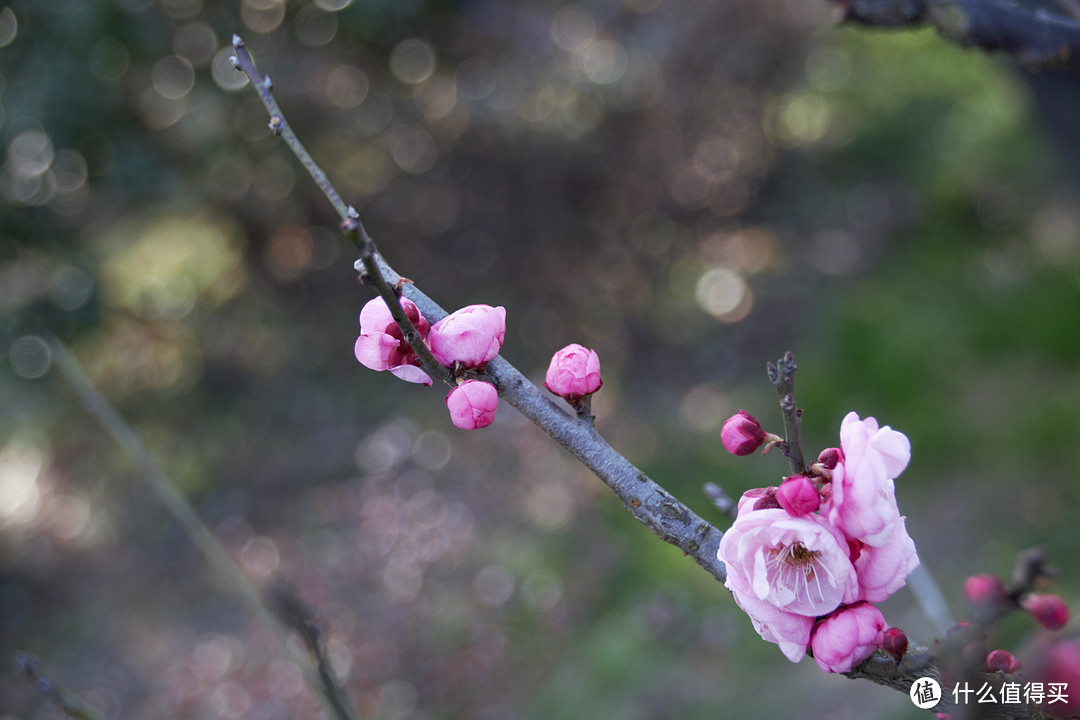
<point>431,450</point>
<point>724,294</point>
<point>69,170</point>
<point>412,61</point>
<point>216,655</point>
<point>161,112</point>
<point>828,68</point>
<point>436,97</point>
<point>703,409</point>
<point>260,557</point>
<point>413,149</point>
<point>475,79</point>
<point>436,210</point>
<point>229,176</point>
<point>333,5</point>
<point>108,59</point>
<point>285,679</point>
<point>20,493</point>
<point>835,252</point>
<point>69,516</point>
<point>225,75</point>
<point>273,178</point>
<point>403,581</point>
<point>798,119</point>
<point>384,449</point>
<point>474,253</point>
<point>182,9</point>
<point>290,251</point>
<point>493,586</point>
<point>550,505</point>
<point>689,188</point>
<point>1056,231</point>
<point>71,288</point>
<point>340,655</point>
<point>9,27</point>
<point>30,357</point>
<point>262,16</point>
<point>173,77</point>
<point>31,152</point>
<point>195,41</point>
<point>747,250</point>
<point>716,158</point>
<point>397,700</point>
<point>346,86</point>
<point>542,591</point>
<point>364,171</point>
<point>162,268</point>
<point>315,27</point>
<point>604,62</point>
<point>229,701</point>
<point>572,28</point>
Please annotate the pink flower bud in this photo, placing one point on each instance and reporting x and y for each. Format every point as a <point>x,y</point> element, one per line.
<point>574,372</point>
<point>894,641</point>
<point>742,434</point>
<point>1002,661</point>
<point>985,590</point>
<point>829,458</point>
<point>1050,611</point>
<point>472,404</point>
<point>798,495</point>
<point>847,636</point>
<point>471,336</point>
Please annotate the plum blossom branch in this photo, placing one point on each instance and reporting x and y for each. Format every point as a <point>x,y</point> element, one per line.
<point>1036,39</point>
<point>782,376</point>
<point>651,504</point>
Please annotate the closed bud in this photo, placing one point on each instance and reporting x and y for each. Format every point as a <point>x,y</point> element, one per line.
<point>798,495</point>
<point>894,641</point>
<point>1002,661</point>
<point>982,590</point>
<point>574,372</point>
<point>742,434</point>
<point>472,404</point>
<point>1050,611</point>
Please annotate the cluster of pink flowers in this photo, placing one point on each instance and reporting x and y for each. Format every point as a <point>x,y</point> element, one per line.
<point>805,560</point>
<point>466,340</point>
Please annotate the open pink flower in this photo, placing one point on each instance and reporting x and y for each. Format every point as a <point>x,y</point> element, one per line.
<point>381,346</point>
<point>472,404</point>
<point>847,637</point>
<point>471,336</point>
<point>574,372</point>
<point>863,502</point>
<point>884,569</point>
<point>777,563</point>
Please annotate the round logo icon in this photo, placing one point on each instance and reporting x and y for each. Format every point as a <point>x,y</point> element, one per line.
<point>925,693</point>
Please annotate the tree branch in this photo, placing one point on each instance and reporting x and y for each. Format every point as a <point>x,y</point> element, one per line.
<point>1036,39</point>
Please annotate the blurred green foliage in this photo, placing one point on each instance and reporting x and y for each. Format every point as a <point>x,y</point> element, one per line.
<point>691,188</point>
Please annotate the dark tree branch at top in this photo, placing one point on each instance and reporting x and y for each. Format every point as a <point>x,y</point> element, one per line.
<point>1035,38</point>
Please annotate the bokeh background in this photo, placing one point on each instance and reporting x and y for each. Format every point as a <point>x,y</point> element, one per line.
<point>692,188</point>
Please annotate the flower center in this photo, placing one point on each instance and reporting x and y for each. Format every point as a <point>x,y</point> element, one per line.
<point>796,567</point>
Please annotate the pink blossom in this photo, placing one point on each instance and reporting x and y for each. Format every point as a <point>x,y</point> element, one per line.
<point>1002,661</point>
<point>884,569</point>
<point>574,372</point>
<point>985,590</point>
<point>863,502</point>
<point>381,346</point>
<point>1060,666</point>
<point>798,495</point>
<point>471,336</point>
<point>1050,611</point>
<point>742,434</point>
<point>779,565</point>
<point>847,637</point>
<point>472,404</point>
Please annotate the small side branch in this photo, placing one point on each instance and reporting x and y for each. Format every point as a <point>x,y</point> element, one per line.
<point>1036,39</point>
<point>68,702</point>
<point>782,376</point>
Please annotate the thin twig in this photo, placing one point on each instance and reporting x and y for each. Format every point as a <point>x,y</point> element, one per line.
<point>68,702</point>
<point>184,514</point>
<point>661,512</point>
<point>782,376</point>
